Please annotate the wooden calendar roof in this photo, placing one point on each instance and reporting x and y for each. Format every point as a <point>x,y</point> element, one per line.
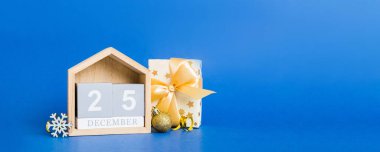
<point>113,53</point>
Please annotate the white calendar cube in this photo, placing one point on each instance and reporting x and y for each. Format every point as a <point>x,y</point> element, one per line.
<point>94,100</point>
<point>128,100</point>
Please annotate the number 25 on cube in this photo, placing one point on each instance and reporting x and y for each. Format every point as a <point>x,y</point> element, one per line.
<point>107,105</point>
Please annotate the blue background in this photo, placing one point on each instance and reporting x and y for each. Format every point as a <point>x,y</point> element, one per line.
<point>291,75</point>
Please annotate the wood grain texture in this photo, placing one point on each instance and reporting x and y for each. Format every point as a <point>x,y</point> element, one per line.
<point>108,66</point>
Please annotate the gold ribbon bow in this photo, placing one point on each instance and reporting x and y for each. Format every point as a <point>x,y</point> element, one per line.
<point>184,79</point>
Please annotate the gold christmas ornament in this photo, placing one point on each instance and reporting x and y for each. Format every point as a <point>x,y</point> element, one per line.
<point>161,121</point>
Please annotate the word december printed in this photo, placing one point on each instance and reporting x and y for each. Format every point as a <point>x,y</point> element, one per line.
<point>114,122</point>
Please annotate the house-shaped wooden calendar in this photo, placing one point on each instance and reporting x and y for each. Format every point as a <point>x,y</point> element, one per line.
<point>109,93</point>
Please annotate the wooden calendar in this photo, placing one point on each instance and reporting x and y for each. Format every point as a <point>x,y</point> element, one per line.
<point>109,93</point>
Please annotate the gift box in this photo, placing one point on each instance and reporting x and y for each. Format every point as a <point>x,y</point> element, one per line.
<point>177,88</point>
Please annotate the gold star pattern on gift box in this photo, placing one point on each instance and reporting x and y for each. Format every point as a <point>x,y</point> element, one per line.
<point>154,73</point>
<point>190,104</point>
<point>167,75</point>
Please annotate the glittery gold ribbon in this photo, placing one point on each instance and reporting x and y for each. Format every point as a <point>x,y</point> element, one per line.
<point>184,79</point>
<point>183,123</point>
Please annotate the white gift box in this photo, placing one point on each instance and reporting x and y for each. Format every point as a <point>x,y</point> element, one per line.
<point>186,106</point>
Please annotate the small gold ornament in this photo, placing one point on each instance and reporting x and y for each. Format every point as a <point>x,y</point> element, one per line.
<point>161,121</point>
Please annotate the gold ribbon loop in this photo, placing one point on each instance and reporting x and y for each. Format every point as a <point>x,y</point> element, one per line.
<point>183,123</point>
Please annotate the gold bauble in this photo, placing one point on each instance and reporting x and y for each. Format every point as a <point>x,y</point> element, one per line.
<point>161,121</point>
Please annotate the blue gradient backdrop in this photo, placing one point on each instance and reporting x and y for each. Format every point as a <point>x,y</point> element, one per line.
<point>291,75</point>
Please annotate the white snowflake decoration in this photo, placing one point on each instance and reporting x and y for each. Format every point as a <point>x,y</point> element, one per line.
<point>59,125</point>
